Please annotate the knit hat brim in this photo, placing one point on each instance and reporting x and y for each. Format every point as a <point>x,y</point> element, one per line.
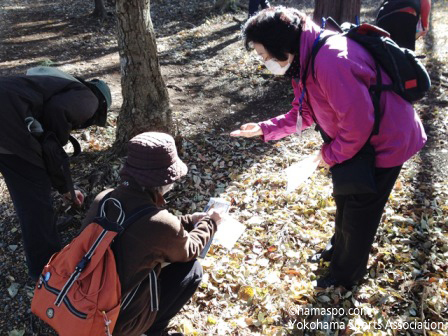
<point>153,161</point>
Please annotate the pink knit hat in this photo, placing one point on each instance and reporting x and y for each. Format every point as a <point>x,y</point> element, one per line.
<point>152,160</point>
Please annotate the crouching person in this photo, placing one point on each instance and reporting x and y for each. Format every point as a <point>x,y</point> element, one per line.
<point>148,304</point>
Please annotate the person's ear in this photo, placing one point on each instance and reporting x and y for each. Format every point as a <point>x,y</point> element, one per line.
<point>290,57</point>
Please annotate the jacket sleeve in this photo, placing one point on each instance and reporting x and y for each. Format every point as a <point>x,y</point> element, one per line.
<point>56,163</point>
<point>68,109</point>
<point>178,245</point>
<point>286,124</point>
<point>425,9</point>
<point>345,84</point>
<point>167,238</point>
<point>187,222</point>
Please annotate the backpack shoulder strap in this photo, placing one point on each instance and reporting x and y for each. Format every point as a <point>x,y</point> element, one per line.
<point>102,219</point>
<point>121,225</point>
<point>316,49</point>
<point>375,90</point>
<point>137,214</point>
<point>100,204</point>
<point>66,167</point>
<point>76,145</point>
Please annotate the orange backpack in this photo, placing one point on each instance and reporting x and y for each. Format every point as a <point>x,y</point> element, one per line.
<point>79,291</point>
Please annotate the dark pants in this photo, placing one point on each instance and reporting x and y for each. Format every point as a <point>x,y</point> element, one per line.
<point>178,283</point>
<point>402,28</point>
<point>357,220</point>
<point>254,4</point>
<point>30,190</point>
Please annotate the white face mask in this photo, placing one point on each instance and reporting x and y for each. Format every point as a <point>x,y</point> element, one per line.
<point>276,68</point>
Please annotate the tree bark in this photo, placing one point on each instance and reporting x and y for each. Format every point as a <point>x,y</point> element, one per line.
<point>100,9</point>
<point>340,10</point>
<point>146,104</point>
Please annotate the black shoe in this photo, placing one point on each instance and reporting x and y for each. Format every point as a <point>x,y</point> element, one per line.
<point>326,281</point>
<point>326,254</point>
<point>330,281</point>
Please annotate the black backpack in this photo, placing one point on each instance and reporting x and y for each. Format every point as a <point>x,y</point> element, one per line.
<point>409,77</point>
<point>390,6</point>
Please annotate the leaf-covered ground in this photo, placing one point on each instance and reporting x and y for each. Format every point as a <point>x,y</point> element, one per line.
<point>264,285</point>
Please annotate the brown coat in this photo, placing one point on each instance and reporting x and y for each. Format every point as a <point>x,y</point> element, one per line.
<point>144,246</point>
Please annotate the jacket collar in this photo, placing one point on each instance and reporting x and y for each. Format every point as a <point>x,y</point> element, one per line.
<point>131,188</point>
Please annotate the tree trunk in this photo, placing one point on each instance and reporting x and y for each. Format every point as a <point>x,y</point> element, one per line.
<point>146,104</point>
<point>100,9</point>
<point>340,10</point>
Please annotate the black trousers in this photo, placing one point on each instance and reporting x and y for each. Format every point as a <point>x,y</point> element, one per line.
<point>30,190</point>
<point>254,4</point>
<point>357,220</point>
<point>178,283</point>
<point>402,28</point>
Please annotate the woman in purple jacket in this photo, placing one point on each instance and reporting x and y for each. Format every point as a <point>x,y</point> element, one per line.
<point>337,98</point>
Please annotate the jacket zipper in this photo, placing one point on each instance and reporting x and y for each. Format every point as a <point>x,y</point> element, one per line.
<point>67,302</point>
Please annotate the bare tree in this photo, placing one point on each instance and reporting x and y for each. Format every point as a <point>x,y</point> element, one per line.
<point>340,10</point>
<point>100,9</point>
<point>146,104</point>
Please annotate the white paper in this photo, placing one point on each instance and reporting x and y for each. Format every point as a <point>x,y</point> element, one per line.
<point>298,172</point>
<point>218,204</point>
<point>229,230</point>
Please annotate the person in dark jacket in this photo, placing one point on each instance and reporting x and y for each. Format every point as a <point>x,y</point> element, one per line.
<point>405,20</point>
<point>38,111</point>
<point>159,245</point>
<point>255,4</point>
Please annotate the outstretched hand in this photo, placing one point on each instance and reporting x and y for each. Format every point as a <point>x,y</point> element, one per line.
<point>248,131</point>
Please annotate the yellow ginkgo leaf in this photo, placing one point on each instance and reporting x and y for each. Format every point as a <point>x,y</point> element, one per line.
<point>246,293</point>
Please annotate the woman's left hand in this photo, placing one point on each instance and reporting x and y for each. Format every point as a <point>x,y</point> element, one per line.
<point>248,131</point>
<point>322,163</point>
<point>197,216</point>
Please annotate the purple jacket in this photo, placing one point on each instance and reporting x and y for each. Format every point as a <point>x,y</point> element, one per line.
<point>339,100</point>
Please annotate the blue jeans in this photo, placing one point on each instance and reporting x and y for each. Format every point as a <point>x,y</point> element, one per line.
<point>30,190</point>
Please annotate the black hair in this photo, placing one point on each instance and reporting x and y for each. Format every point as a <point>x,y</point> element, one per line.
<point>278,29</point>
